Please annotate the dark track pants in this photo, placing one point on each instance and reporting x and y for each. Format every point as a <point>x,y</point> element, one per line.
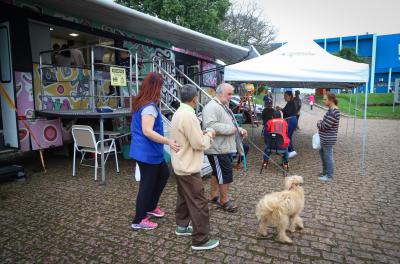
<point>153,178</point>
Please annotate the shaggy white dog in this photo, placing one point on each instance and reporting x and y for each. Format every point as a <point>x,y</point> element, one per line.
<point>282,209</point>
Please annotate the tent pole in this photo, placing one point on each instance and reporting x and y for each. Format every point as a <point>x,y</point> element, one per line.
<point>347,122</point>
<point>364,134</point>
<point>354,122</point>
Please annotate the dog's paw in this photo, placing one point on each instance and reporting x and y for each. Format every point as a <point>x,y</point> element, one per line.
<point>263,233</point>
<point>285,240</point>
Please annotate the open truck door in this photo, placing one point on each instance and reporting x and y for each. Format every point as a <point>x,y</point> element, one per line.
<point>8,122</point>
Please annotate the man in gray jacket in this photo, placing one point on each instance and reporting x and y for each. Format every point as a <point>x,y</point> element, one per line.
<point>218,116</point>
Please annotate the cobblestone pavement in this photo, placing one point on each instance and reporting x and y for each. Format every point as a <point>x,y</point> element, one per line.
<point>57,218</point>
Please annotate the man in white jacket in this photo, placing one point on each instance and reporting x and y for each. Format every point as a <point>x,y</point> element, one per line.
<point>218,116</point>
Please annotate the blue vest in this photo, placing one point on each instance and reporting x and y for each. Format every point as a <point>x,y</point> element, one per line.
<point>142,148</point>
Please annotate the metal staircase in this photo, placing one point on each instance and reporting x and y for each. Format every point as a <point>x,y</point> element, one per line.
<point>171,84</point>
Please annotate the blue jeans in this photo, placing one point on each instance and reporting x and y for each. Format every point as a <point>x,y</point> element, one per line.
<point>326,153</point>
<point>292,124</point>
<point>284,152</point>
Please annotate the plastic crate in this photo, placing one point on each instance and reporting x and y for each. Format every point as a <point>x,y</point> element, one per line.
<point>126,148</point>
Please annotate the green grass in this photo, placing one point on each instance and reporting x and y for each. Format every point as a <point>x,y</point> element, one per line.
<point>373,111</point>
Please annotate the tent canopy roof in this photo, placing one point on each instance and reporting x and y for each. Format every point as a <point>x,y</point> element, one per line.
<point>300,64</point>
<point>113,14</point>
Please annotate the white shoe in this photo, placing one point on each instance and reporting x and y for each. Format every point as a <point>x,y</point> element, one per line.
<point>292,154</point>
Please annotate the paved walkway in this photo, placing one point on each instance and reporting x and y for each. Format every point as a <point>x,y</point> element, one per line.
<point>55,218</point>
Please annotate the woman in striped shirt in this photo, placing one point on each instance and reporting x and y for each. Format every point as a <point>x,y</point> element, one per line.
<point>328,128</point>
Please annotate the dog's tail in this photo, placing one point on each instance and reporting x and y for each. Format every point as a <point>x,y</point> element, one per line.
<point>268,207</point>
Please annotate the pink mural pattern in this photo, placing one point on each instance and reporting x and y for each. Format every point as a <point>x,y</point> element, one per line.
<point>47,133</point>
<point>23,84</point>
<point>209,78</point>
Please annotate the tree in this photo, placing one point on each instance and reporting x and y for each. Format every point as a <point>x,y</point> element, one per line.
<point>246,26</point>
<point>205,16</point>
<point>350,54</point>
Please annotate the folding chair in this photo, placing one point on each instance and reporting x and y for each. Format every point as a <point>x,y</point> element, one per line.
<point>274,141</point>
<point>85,142</point>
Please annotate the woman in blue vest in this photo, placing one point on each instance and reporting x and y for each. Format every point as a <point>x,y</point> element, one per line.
<point>148,151</point>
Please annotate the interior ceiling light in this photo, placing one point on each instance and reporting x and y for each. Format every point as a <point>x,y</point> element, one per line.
<point>73,34</point>
<point>51,29</point>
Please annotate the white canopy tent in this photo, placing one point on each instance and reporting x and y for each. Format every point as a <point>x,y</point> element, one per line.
<point>303,64</point>
<point>296,63</point>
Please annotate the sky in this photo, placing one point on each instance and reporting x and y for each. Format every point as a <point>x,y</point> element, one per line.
<point>313,19</point>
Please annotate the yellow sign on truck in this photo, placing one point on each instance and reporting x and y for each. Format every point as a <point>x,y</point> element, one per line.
<point>118,76</point>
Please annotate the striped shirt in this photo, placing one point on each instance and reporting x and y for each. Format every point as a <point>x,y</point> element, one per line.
<point>328,127</point>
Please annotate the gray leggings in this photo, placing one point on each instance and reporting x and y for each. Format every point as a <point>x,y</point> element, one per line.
<point>328,164</point>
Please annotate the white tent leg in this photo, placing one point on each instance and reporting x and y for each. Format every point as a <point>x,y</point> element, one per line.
<point>364,133</point>
<point>347,122</point>
<point>354,122</point>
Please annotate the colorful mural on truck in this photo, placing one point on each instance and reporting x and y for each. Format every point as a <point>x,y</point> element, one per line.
<point>66,88</point>
<point>146,55</point>
<point>24,92</point>
<point>210,77</point>
<point>34,133</point>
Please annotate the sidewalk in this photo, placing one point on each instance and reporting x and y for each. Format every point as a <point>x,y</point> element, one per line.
<point>57,218</point>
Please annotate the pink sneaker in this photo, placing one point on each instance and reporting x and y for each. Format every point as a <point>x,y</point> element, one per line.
<point>145,224</point>
<point>157,212</point>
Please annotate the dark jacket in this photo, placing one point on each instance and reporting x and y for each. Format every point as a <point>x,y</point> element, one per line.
<point>289,109</point>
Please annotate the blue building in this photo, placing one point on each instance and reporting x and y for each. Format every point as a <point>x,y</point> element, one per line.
<point>384,66</point>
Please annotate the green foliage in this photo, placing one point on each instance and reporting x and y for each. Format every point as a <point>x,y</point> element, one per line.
<point>373,111</point>
<point>350,54</point>
<point>205,16</point>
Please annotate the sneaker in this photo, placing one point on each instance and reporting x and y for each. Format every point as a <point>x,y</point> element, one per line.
<point>210,244</point>
<point>157,212</point>
<point>184,231</point>
<point>325,178</point>
<point>145,224</point>
<point>292,154</point>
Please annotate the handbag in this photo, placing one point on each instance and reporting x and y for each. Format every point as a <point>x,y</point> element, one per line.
<point>137,173</point>
<point>316,143</point>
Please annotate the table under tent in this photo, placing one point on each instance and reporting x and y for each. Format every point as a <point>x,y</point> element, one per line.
<point>304,64</point>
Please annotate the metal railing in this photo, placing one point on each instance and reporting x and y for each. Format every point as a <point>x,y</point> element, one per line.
<point>93,92</point>
<point>169,67</point>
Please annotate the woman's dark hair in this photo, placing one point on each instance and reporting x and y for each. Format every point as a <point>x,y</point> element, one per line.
<point>277,114</point>
<point>65,53</point>
<point>332,97</point>
<point>290,93</point>
<point>150,91</point>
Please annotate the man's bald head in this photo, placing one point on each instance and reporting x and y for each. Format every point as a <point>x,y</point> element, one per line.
<point>224,92</point>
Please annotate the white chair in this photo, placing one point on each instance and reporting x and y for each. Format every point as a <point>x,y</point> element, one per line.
<point>85,142</point>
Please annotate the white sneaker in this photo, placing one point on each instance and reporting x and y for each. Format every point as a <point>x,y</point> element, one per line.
<point>292,154</point>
